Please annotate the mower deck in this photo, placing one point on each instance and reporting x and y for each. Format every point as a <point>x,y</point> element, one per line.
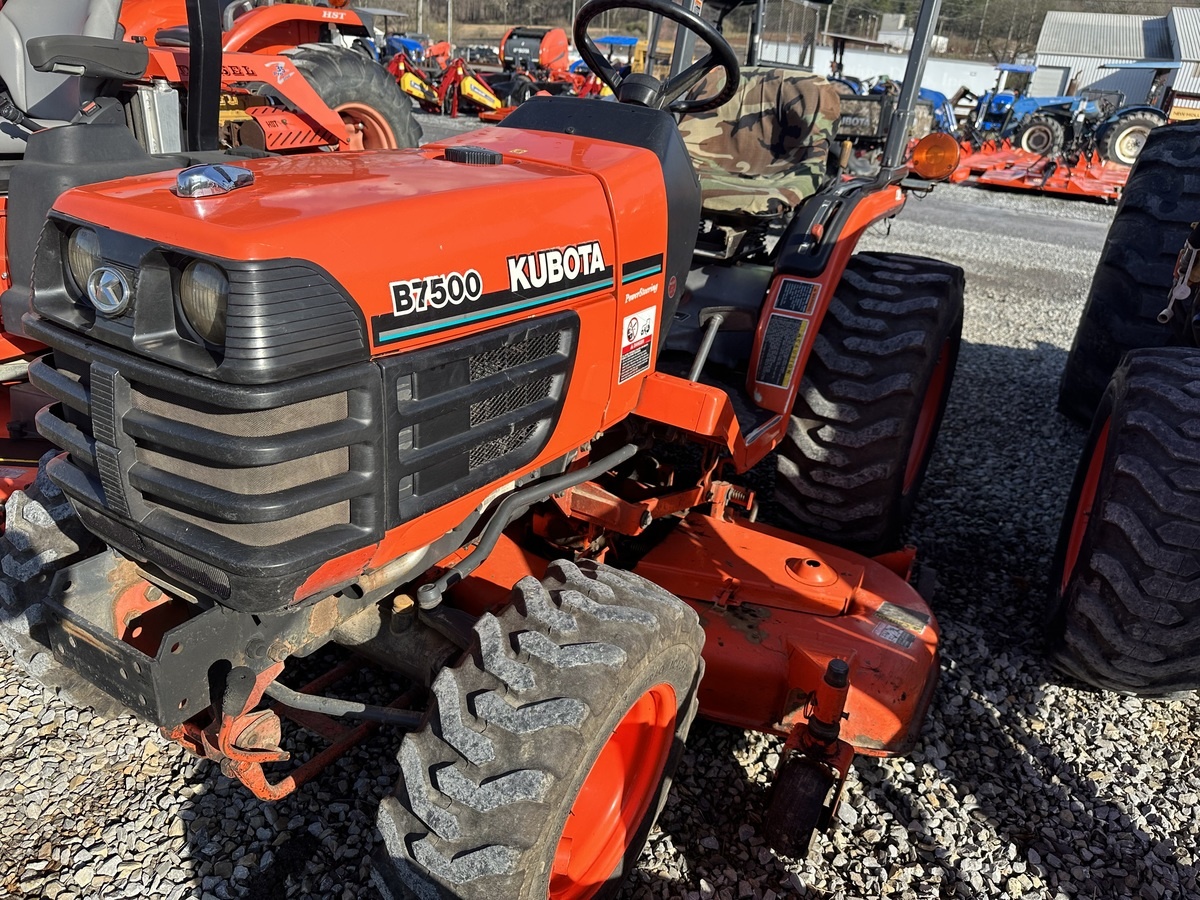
<point>1002,165</point>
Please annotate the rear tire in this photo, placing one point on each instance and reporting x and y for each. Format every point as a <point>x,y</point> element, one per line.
<point>872,400</point>
<point>361,92</point>
<point>1124,610</point>
<point>1129,290</point>
<point>1123,140</point>
<point>506,791</point>
<point>42,535</point>
<point>1042,135</point>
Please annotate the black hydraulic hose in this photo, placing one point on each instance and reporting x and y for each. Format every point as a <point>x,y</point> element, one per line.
<point>405,718</point>
<point>430,595</point>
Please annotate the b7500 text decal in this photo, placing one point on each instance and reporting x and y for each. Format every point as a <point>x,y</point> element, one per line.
<point>435,292</point>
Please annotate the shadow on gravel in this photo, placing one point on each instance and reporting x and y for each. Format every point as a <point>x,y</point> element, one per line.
<point>987,523</point>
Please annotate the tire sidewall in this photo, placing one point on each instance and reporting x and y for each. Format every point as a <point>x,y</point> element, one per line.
<point>675,665</point>
<point>1059,597</point>
<point>906,499</point>
<point>1039,124</point>
<point>341,76</point>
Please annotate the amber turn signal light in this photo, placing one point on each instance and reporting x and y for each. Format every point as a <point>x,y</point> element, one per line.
<point>935,156</point>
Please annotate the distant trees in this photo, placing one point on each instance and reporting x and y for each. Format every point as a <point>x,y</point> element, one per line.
<point>997,30</point>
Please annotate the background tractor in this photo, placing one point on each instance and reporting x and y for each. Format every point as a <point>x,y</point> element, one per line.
<point>511,471</point>
<point>1123,609</point>
<point>332,46</point>
<point>1070,125</point>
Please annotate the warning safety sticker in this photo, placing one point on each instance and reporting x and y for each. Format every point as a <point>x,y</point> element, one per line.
<point>782,340</point>
<point>797,296</point>
<point>904,618</point>
<point>637,342</point>
<point>894,635</point>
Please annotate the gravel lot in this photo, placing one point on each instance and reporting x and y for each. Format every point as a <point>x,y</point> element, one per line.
<point>1022,786</point>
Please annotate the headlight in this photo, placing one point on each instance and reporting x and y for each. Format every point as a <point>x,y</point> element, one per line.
<point>204,292</point>
<point>83,255</point>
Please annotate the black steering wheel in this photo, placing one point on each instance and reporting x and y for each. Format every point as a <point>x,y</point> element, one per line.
<point>643,88</point>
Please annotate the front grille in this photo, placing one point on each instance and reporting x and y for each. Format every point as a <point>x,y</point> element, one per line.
<point>490,451</point>
<point>258,423</point>
<point>472,411</point>
<point>507,401</point>
<point>202,478</point>
<point>487,363</point>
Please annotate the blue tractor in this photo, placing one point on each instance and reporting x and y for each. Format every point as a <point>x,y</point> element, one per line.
<point>1051,126</point>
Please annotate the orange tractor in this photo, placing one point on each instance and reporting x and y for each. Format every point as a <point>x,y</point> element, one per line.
<point>511,470</point>
<point>331,46</point>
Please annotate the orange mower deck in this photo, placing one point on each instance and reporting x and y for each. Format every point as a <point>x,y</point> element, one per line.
<point>1002,165</point>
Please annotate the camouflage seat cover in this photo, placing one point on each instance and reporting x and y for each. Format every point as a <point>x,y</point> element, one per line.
<point>765,150</point>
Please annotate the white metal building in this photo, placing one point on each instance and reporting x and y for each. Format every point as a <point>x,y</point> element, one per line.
<point>1184,24</point>
<point>1074,46</point>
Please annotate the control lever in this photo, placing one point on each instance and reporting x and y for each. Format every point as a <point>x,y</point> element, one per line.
<point>10,112</point>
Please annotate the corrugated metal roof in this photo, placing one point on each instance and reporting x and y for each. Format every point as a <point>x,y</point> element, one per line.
<point>1185,26</point>
<point>1106,35</point>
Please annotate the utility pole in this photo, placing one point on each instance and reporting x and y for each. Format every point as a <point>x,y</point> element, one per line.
<point>420,16</point>
<point>450,22</point>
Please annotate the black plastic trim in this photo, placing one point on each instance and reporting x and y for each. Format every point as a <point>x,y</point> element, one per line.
<point>285,317</point>
<point>133,505</point>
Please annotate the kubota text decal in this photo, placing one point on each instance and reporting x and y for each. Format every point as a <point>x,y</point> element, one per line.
<point>437,302</point>
<point>545,269</point>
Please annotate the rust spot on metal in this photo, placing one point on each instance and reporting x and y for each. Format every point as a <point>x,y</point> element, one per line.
<point>747,620</point>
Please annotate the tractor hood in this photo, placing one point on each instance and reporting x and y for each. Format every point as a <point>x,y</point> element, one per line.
<point>409,244</point>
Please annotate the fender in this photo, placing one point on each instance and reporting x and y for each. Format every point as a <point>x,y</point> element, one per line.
<point>270,29</point>
<point>816,249</point>
<point>266,29</point>
<point>1130,110</point>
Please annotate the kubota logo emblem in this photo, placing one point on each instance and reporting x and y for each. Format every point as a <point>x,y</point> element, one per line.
<point>530,271</point>
<point>108,289</point>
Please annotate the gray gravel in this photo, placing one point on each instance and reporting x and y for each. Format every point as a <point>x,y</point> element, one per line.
<point>1021,786</point>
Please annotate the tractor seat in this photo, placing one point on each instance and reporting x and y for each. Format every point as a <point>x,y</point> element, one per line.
<point>46,97</point>
<point>765,150</point>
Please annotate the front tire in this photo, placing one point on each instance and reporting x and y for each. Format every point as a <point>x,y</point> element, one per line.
<point>872,400</point>
<point>377,114</point>
<point>1129,290</point>
<point>1124,610</point>
<point>1042,135</point>
<point>581,691</point>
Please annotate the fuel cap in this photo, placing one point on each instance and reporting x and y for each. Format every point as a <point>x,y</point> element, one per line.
<point>474,156</point>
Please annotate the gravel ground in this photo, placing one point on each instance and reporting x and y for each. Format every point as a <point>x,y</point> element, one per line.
<point>1021,786</point>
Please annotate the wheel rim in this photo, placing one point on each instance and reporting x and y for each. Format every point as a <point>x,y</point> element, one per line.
<point>615,797</point>
<point>366,128</point>
<point>1083,509</point>
<point>1130,144</point>
<point>1037,139</point>
<point>927,419</point>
